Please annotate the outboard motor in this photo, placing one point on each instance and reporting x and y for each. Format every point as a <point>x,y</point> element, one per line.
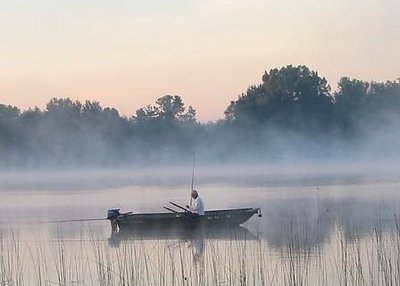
<point>113,214</point>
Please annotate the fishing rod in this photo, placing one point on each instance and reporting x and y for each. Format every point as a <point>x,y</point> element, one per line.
<point>171,210</point>
<point>178,206</point>
<point>191,190</point>
<point>71,220</point>
<point>194,161</point>
<point>80,220</point>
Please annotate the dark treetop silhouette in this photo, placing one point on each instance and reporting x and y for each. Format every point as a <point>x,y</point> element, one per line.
<point>292,114</point>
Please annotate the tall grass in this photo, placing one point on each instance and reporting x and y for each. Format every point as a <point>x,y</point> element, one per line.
<point>345,260</point>
<point>11,261</point>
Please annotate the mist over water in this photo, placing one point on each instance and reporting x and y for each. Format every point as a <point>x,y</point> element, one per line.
<point>323,167</point>
<point>307,216</point>
<point>291,117</point>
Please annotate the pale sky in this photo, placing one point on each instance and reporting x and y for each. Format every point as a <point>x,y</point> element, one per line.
<point>127,53</point>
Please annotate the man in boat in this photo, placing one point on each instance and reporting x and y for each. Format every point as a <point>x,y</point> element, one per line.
<point>196,204</point>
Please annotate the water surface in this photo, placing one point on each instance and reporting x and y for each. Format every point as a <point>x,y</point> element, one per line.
<point>320,228</point>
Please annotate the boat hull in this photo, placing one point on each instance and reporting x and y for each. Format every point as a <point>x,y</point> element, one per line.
<point>216,218</point>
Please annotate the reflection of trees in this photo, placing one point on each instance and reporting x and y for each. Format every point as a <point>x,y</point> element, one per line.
<point>359,217</point>
<point>305,222</point>
<point>310,222</point>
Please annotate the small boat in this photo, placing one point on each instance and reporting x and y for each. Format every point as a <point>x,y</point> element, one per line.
<point>181,219</point>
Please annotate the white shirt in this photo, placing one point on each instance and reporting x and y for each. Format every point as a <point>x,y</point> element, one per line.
<point>197,206</point>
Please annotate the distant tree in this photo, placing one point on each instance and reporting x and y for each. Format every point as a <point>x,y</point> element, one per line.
<point>189,116</point>
<point>146,113</point>
<point>91,107</point>
<point>168,108</point>
<point>168,127</point>
<point>291,109</point>
<point>8,112</point>
<point>291,97</point>
<point>64,106</point>
<point>385,96</point>
<point>352,94</point>
<point>361,106</point>
<point>350,100</point>
<point>9,135</point>
<point>30,117</point>
<point>249,105</point>
<point>111,112</point>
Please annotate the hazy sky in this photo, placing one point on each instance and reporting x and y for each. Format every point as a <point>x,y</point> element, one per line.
<point>126,54</point>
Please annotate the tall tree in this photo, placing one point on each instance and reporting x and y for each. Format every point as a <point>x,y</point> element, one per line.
<point>9,136</point>
<point>64,106</point>
<point>292,97</point>
<point>8,112</point>
<point>168,108</point>
<point>350,100</point>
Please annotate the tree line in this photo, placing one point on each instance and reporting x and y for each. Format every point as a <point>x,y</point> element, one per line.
<point>292,113</point>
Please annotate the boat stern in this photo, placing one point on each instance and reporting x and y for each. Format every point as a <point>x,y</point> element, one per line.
<point>112,216</point>
<point>259,212</point>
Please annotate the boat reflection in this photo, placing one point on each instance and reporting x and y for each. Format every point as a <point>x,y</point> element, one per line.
<point>195,236</point>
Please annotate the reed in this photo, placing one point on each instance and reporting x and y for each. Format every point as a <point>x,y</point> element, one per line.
<point>11,261</point>
<point>346,260</point>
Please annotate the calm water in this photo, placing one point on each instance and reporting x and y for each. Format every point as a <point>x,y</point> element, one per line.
<point>322,228</point>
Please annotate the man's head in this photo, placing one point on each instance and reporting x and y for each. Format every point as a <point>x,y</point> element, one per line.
<point>195,194</point>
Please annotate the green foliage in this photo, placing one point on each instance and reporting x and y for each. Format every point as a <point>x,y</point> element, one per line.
<point>169,108</point>
<point>8,134</point>
<point>62,106</point>
<point>361,106</point>
<point>91,108</point>
<point>293,98</point>
<point>291,110</point>
<point>165,128</point>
